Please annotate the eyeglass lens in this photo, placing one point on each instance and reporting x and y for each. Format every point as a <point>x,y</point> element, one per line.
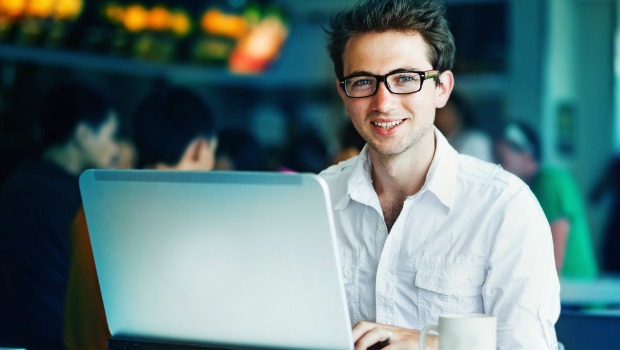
<point>398,83</point>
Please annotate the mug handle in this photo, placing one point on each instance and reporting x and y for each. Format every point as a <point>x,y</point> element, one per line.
<point>423,334</point>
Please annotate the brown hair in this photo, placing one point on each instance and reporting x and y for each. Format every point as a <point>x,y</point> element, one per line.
<point>425,17</point>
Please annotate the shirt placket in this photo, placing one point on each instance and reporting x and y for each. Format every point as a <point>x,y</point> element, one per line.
<point>386,271</point>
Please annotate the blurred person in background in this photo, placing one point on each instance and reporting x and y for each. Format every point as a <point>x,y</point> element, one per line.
<point>305,152</point>
<point>518,150</point>
<point>127,155</point>
<point>174,129</point>
<point>350,142</point>
<point>238,149</point>
<point>609,184</point>
<point>456,121</point>
<point>38,204</point>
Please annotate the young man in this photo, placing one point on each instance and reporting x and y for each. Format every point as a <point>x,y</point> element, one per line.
<point>423,230</point>
<point>37,205</point>
<point>175,128</point>
<point>518,151</point>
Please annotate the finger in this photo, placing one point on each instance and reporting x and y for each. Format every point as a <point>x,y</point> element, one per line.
<point>378,334</point>
<point>362,328</point>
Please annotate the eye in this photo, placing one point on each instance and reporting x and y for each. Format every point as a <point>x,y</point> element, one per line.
<point>361,83</point>
<point>405,79</point>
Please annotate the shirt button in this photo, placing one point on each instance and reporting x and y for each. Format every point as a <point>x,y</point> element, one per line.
<point>381,228</point>
<point>347,272</point>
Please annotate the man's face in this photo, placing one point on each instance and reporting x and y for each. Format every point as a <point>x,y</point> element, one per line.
<point>517,162</point>
<point>99,145</point>
<point>409,117</point>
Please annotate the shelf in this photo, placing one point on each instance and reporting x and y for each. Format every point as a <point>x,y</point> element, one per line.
<point>120,65</point>
<point>303,62</point>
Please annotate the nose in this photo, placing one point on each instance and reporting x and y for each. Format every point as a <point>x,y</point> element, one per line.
<point>383,100</point>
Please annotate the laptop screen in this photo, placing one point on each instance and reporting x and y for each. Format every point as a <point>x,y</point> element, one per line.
<point>229,258</point>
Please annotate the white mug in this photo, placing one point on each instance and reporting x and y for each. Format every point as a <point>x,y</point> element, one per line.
<point>463,332</point>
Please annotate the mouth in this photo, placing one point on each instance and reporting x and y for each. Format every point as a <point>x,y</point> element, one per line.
<point>388,125</point>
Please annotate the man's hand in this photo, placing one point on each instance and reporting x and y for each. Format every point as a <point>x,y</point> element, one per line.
<point>368,335</point>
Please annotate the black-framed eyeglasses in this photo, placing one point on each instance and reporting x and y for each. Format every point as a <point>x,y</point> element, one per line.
<point>399,82</point>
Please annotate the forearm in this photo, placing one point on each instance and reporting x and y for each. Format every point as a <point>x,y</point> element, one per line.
<point>559,233</point>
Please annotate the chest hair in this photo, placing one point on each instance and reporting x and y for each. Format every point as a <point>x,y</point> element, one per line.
<point>391,207</point>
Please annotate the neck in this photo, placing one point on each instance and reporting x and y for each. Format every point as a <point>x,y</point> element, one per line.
<point>403,174</point>
<point>529,179</point>
<point>532,169</point>
<point>65,156</point>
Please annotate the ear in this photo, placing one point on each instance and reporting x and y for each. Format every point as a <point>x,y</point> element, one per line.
<point>444,88</point>
<point>341,92</point>
<point>82,134</point>
<point>199,155</point>
<point>212,145</point>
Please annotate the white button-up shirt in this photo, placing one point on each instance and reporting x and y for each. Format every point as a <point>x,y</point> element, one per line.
<point>473,239</point>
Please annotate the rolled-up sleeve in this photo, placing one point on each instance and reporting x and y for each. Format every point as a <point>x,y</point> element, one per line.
<point>522,285</point>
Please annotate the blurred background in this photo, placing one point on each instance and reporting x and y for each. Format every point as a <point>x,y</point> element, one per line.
<point>263,66</point>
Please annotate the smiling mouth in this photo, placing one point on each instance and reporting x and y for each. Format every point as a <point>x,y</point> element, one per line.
<point>388,125</point>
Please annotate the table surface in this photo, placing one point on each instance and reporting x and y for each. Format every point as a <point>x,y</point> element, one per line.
<point>604,291</point>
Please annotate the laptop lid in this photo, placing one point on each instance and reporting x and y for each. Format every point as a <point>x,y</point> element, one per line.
<point>224,258</point>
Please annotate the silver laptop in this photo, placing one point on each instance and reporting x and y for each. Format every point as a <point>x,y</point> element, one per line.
<point>216,259</point>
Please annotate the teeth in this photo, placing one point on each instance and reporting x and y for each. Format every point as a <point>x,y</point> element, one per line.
<point>388,125</point>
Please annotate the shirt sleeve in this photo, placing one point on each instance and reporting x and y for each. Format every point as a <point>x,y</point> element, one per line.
<point>522,286</point>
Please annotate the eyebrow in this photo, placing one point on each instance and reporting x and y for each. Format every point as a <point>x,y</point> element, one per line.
<point>397,70</point>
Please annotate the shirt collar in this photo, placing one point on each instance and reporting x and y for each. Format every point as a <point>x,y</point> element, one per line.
<point>359,186</point>
<point>442,174</point>
<point>440,179</point>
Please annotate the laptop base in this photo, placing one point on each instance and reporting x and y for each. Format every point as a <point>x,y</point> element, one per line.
<point>118,344</point>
